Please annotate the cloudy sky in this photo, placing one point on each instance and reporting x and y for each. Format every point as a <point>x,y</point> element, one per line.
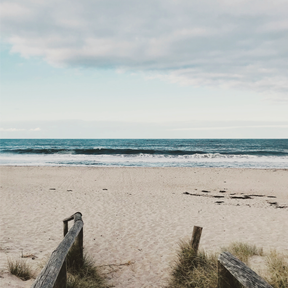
<point>144,69</point>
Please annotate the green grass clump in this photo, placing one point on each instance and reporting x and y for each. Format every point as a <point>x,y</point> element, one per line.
<point>21,269</point>
<point>193,270</point>
<point>277,270</point>
<point>243,251</point>
<point>84,275</point>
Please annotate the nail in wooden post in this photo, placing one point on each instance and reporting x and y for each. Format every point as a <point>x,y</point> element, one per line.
<point>196,235</point>
<point>61,281</point>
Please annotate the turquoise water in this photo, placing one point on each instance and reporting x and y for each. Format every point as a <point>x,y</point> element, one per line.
<point>249,153</point>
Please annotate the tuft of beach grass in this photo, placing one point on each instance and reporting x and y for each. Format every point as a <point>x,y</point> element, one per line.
<point>277,269</point>
<point>84,276</point>
<point>243,251</point>
<point>193,270</point>
<point>21,269</point>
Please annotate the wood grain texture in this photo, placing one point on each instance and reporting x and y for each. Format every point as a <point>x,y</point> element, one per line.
<point>243,274</point>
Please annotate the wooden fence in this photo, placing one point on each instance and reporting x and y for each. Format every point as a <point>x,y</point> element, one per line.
<point>54,274</point>
<point>232,273</point>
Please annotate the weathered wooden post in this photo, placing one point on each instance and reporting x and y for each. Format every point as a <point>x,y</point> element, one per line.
<point>65,227</point>
<point>65,223</point>
<point>196,235</point>
<point>79,241</point>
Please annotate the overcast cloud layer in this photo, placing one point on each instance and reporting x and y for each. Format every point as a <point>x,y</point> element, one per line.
<point>238,44</point>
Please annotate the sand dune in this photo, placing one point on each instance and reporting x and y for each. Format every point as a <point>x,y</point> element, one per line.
<point>138,215</point>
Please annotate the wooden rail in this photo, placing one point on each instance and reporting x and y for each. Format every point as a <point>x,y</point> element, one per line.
<point>233,273</point>
<point>54,274</point>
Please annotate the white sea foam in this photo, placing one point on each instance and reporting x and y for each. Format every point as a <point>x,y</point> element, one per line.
<point>196,160</point>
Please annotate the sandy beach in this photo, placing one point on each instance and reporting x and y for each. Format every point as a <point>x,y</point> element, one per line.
<point>138,215</point>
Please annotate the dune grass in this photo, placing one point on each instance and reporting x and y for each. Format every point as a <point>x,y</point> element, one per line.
<point>201,270</point>
<point>193,270</point>
<point>189,270</point>
<point>243,251</point>
<point>21,269</point>
<point>83,276</point>
<point>277,270</point>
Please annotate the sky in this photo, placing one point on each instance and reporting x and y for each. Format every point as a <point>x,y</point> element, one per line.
<point>144,69</point>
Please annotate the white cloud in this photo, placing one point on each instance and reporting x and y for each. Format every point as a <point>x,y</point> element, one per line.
<point>11,129</point>
<point>35,129</point>
<point>14,10</point>
<point>238,44</point>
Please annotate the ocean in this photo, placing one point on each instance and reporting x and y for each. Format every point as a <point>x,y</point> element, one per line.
<point>235,153</point>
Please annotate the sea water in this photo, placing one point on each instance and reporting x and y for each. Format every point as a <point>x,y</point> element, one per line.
<point>244,153</point>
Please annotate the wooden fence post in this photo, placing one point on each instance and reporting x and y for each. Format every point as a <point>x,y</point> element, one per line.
<point>65,228</point>
<point>78,244</point>
<point>196,235</point>
<point>65,223</point>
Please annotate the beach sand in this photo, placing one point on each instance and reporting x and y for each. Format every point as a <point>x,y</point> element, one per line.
<point>137,215</point>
